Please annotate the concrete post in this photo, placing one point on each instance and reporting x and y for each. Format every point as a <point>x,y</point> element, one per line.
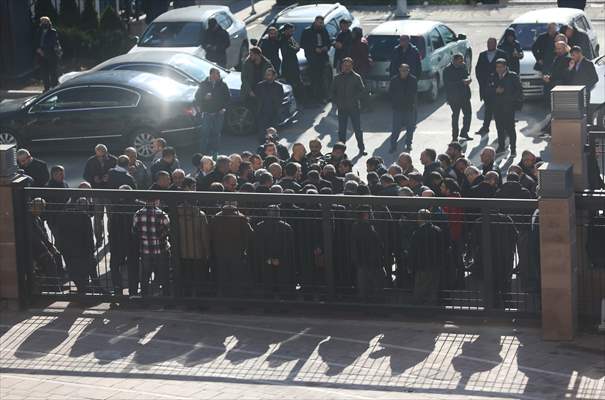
<point>9,278</point>
<point>402,9</point>
<point>558,256</point>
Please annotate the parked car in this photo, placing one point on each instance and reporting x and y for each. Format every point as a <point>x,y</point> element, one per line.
<point>436,43</point>
<point>126,108</point>
<point>302,17</point>
<point>531,24</point>
<point>596,107</point>
<point>189,69</point>
<point>183,29</point>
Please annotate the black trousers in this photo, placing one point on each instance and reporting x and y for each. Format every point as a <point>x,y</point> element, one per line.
<point>48,72</point>
<point>505,123</point>
<point>343,119</point>
<point>465,107</point>
<point>488,113</point>
<point>319,91</point>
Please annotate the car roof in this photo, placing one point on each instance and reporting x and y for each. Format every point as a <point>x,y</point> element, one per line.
<point>159,86</point>
<point>190,14</point>
<point>406,27</point>
<point>307,12</point>
<point>546,15</point>
<point>156,57</point>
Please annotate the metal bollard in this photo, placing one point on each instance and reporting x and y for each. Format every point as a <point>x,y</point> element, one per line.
<point>602,325</point>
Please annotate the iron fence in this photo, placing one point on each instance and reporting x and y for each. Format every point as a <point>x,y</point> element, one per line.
<point>596,158</point>
<point>457,254</point>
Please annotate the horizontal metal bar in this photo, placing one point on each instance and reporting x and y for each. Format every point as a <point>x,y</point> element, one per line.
<point>419,202</point>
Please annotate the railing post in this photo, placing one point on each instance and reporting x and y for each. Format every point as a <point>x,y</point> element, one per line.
<point>327,225</point>
<point>9,277</point>
<point>558,255</point>
<point>486,257</point>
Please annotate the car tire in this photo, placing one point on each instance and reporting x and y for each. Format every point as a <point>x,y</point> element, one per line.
<point>9,137</point>
<point>243,53</point>
<point>239,120</point>
<point>433,93</point>
<point>142,140</point>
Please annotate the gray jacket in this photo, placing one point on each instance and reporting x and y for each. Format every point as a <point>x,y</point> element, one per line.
<point>347,90</point>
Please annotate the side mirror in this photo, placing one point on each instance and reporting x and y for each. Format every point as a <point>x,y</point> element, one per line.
<point>254,42</point>
<point>461,36</point>
<point>136,39</point>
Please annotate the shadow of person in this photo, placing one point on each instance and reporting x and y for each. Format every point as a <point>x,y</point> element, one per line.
<point>299,347</point>
<point>251,344</point>
<point>476,356</point>
<point>418,346</point>
<point>208,347</point>
<point>338,354</point>
<point>48,337</point>
<point>170,340</point>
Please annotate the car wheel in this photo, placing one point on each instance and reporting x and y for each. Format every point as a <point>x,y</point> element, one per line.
<point>7,137</point>
<point>240,120</point>
<point>433,92</point>
<point>142,141</point>
<point>243,53</point>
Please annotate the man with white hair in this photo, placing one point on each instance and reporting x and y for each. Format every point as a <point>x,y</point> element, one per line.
<point>488,162</point>
<point>33,167</point>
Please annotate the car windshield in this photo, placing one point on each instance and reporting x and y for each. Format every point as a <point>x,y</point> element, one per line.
<point>195,67</point>
<point>381,46</point>
<point>527,33</point>
<point>172,34</point>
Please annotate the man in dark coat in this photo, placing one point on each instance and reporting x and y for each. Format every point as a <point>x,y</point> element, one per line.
<point>508,98</point>
<point>216,41</point>
<point>289,181</point>
<point>405,53</point>
<point>428,159</point>
<point>458,92</point>
<point>290,69</point>
<point>544,48</point>
<point>274,252</point>
<point>511,46</point>
<point>576,37</point>
<point>403,91</point>
<point>582,72</point>
<point>485,71</point>
<point>269,96</point>
<point>315,41</point>
<point>558,73</point>
<point>33,167</point>
<point>212,98</point>
<point>221,169</point>
<point>48,52</point>
<point>427,257</point>
<point>119,176</point>
<point>270,45</point>
<point>347,90</point>
<point>367,255</point>
<point>168,163</point>
<point>97,167</point>
<point>343,43</point>
<point>230,239</point>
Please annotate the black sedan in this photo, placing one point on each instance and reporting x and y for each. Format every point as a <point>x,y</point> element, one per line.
<point>189,69</point>
<point>127,108</point>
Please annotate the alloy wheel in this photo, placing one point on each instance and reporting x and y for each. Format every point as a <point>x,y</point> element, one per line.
<point>143,143</point>
<point>7,138</point>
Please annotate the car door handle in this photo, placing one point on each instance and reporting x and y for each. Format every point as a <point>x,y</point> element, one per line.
<point>236,36</point>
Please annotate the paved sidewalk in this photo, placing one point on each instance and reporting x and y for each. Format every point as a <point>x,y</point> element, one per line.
<point>98,353</point>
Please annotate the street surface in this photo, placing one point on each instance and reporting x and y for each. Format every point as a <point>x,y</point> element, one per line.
<point>64,352</point>
<point>433,130</point>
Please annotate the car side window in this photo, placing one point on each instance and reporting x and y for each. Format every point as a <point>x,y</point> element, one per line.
<point>583,24</point>
<point>436,40</point>
<point>87,97</point>
<point>223,20</point>
<point>68,99</point>
<point>447,34</point>
<point>108,96</point>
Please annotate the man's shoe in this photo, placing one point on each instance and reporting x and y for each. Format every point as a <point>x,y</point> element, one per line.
<point>482,131</point>
<point>362,153</point>
<point>513,153</point>
<point>466,137</point>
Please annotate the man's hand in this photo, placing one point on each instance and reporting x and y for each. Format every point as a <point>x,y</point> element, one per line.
<point>546,78</point>
<point>572,64</point>
<point>338,45</point>
<point>40,52</point>
<point>499,90</point>
<point>467,81</point>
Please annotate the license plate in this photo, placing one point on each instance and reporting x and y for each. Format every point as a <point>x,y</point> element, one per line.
<point>525,84</point>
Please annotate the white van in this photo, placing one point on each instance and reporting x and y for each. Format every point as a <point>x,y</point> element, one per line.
<point>531,24</point>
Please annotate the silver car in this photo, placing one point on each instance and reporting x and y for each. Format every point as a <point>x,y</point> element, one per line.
<point>436,43</point>
<point>182,30</point>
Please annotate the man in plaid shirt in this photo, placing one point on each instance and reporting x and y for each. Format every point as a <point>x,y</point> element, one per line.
<point>151,227</point>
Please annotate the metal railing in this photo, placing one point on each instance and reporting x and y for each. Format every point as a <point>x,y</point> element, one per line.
<point>596,158</point>
<point>466,255</point>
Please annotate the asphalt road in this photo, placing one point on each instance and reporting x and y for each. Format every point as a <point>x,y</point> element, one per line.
<point>433,128</point>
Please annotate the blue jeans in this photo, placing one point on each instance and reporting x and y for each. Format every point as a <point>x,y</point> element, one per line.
<point>212,127</point>
<point>403,119</point>
<point>343,119</point>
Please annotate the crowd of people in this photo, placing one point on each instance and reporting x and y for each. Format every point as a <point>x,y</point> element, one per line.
<point>282,240</point>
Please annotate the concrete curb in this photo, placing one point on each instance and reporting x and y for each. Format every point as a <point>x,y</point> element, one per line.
<point>248,20</point>
<point>17,94</point>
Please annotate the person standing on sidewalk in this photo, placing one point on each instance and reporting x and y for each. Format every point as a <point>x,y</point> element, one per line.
<point>343,43</point>
<point>484,71</point>
<point>315,41</point>
<point>403,93</point>
<point>270,94</point>
<point>212,98</point>
<point>508,98</point>
<point>270,45</point>
<point>48,51</point>
<point>511,46</point>
<point>290,69</point>
<point>347,90</point>
<point>215,42</point>
<point>405,53</point>
<point>458,92</point>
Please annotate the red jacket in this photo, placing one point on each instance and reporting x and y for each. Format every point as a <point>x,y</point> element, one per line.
<point>360,53</point>
<point>455,216</point>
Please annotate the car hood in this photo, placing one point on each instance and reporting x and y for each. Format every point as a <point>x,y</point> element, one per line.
<point>11,106</point>
<point>196,51</point>
<point>526,64</point>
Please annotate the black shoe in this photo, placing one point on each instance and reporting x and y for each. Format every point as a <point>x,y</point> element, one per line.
<point>466,137</point>
<point>482,131</point>
<point>362,153</point>
<point>501,150</point>
<point>513,153</point>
